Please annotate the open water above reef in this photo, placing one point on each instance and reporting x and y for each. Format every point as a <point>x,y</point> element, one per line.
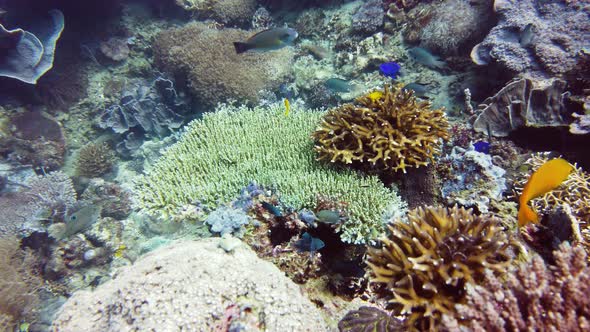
<point>268,165</point>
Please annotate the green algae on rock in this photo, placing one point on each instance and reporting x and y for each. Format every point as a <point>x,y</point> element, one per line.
<point>227,149</point>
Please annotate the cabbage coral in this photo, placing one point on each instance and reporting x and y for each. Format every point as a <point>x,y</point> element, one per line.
<point>424,264</point>
<point>384,130</point>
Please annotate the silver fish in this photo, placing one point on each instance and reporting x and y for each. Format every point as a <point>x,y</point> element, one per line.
<point>424,57</point>
<point>267,40</point>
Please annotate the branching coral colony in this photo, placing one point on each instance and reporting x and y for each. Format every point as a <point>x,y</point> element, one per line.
<point>385,130</point>
<point>423,266</point>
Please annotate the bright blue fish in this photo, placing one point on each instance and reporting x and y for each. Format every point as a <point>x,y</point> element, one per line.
<point>390,69</point>
<point>482,146</point>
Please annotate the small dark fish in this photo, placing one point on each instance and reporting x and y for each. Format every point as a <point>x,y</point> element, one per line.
<point>307,216</point>
<point>482,146</point>
<point>286,91</point>
<point>390,69</point>
<point>272,209</point>
<point>527,35</point>
<point>419,89</point>
<point>328,217</point>
<point>338,85</point>
<point>267,40</point>
<point>426,58</point>
<point>309,243</point>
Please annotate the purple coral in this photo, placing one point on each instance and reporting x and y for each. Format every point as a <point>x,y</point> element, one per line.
<point>537,297</point>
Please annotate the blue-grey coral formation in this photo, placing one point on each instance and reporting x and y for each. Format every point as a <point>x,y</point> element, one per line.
<point>29,54</point>
<point>558,31</point>
<point>145,108</point>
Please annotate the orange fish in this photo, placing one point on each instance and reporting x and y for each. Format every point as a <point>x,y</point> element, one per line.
<point>548,177</point>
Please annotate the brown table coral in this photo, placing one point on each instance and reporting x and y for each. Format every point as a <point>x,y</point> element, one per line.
<point>385,130</point>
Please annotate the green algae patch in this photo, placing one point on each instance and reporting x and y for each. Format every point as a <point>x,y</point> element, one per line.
<point>221,153</point>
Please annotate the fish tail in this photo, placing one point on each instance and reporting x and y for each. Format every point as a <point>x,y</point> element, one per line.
<point>241,47</point>
<point>526,215</point>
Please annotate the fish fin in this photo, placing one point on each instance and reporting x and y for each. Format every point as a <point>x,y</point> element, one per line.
<point>241,47</point>
<point>526,215</point>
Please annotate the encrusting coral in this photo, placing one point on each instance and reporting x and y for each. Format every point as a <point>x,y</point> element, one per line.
<point>385,130</point>
<point>227,149</point>
<point>536,297</point>
<point>424,264</point>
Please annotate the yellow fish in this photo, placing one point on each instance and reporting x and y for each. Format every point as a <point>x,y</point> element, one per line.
<point>287,107</point>
<point>375,95</point>
<point>548,177</point>
<point>119,252</point>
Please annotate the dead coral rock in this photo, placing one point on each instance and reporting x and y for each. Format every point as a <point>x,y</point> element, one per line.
<point>189,286</point>
<point>386,130</point>
<point>208,60</point>
<point>115,49</point>
<point>422,267</point>
<point>523,103</point>
<point>34,138</point>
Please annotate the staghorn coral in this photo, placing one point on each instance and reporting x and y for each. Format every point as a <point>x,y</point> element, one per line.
<point>208,60</point>
<point>422,267</point>
<point>267,147</point>
<point>536,297</point>
<point>94,160</point>
<point>386,131</point>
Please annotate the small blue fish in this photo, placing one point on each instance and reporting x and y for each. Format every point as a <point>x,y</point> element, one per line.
<point>307,216</point>
<point>527,35</point>
<point>390,69</point>
<point>309,243</point>
<point>272,209</point>
<point>482,146</point>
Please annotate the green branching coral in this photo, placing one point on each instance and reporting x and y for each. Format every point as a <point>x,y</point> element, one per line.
<point>423,266</point>
<point>384,130</point>
<point>225,150</point>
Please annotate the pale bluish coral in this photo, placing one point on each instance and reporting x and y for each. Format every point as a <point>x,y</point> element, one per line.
<point>227,149</point>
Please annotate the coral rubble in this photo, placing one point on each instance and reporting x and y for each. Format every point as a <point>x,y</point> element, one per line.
<point>422,267</point>
<point>385,130</point>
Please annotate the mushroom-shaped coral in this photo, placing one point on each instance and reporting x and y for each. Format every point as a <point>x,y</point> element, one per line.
<point>424,264</point>
<point>384,130</point>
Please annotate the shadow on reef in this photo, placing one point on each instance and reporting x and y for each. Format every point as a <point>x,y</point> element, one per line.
<point>573,147</point>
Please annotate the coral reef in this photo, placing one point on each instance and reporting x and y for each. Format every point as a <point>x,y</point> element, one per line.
<point>115,48</point>
<point>523,103</point>
<point>559,31</point>
<point>29,54</point>
<point>269,148</point>
<point>233,12</point>
<point>34,138</point>
<point>473,180</point>
<point>227,220</point>
<point>456,24</point>
<point>20,283</point>
<point>388,132</point>
<point>424,264</point>
<point>145,108</point>
<point>215,73</point>
<point>369,319</point>
<point>369,17</point>
<point>536,297</point>
<point>94,160</point>
<point>201,281</point>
